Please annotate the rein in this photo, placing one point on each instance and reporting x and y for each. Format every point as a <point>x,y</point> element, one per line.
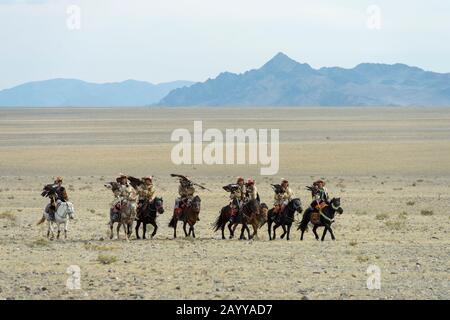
<point>327,218</point>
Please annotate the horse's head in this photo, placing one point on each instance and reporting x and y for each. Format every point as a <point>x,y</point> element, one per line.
<point>70,209</point>
<point>336,205</point>
<point>296,205</point>
<point>196,203</point>
<point>159,205</point>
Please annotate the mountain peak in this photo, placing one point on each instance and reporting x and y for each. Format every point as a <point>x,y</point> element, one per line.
<point>281,62</point>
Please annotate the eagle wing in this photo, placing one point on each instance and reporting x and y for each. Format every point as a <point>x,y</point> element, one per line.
<point>135,182</point>
<point>231,187</point>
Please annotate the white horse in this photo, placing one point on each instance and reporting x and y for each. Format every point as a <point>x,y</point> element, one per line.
<point>64,212</point>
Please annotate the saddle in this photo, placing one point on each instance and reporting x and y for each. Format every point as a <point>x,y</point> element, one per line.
<point>315,217</point>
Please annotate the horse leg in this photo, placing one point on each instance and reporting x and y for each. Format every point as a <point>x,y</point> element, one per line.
<point>155,227</point>
<point>332,234</point>
<point>269,229</point>
<point>242,232</point>
<point>129,229</point>
<point>111,234</point>
<point>315,232</point>
<point>175,229</point>
<point>138,224</point>
<point>144,226</point>
<point>248,232</point>
<point>324,233</point>
<point>59,231</point>
<point>52,231</point>
<point>184,228</point>
<point>119,224</point>
<point>231,231</point>
<point>223,231</point>
<point>66,225</point>
<point>193,231</point>
<point>255,231</point>
<point>126,231</point>
<point>48,229</point>
<point>284,231</point>
<point>288,231</point>
<point>301,236</point>
<point>274,228</point>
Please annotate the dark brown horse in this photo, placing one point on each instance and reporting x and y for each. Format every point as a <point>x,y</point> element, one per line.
<point>322,218</point>
<point>251,213</point>
<point>189,215</point>
<point>146,214</point>
<point>222,220</point>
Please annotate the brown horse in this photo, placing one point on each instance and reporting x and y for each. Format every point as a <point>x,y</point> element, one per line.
<point>189,215</point>
<point>256,219</point>
<point>251,213</point>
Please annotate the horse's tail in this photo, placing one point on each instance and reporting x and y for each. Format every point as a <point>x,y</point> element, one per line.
<point>218,224</point>
<point>303,225</point>
<point>41,221</point>
<point>172,222</point>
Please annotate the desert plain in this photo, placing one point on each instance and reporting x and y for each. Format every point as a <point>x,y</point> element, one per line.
<point>389,166</point>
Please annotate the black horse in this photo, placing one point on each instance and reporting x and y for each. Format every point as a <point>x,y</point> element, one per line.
<point>284,219</point>
<point>326,219</point>
<point>147,215</point>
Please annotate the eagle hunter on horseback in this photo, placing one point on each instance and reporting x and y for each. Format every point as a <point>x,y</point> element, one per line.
<point>187,206</point>
<point>148,205</point>
<point>244,208</point>
<point>59,210</point>
<point>283,194</point>
<point>321,212</point>
<point>284,210</point>
<point>123,207</point>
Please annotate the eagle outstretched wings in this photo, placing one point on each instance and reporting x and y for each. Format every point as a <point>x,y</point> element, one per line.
<point>135,182</point>
<point>277,188</point>
<point>113,186</point>
<point>49,190</point>
<point>231,187</point>
<point>186,179</point>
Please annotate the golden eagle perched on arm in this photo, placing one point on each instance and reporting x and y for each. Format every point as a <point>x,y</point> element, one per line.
<point>113,186</point>
<point>277,188</point>
<point>135,182</point>
<point>184,178</point>
<point>49,190</point>
<point>231,187</point>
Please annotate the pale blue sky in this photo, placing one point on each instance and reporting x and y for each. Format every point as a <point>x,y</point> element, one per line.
<point>164,40</point>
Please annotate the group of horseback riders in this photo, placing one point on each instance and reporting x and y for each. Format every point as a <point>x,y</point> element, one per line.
<point>139,193</point>
<point>241,192</point>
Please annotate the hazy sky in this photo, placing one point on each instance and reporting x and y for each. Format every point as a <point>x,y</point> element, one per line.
<point>164,40</point>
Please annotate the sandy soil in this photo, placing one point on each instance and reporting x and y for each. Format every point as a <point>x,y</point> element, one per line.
<point>391,167</point>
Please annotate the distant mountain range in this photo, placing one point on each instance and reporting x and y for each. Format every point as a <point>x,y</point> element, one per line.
<point>280,82</point>
<point>285,82</point>
<point>77,93</point>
